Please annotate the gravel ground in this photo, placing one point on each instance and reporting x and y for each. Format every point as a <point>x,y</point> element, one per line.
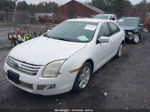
<point>120,84</point>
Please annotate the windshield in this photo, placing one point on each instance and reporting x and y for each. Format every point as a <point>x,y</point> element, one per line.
<point>128,22</point>
<point>73,31</point>
<point>101,17</point>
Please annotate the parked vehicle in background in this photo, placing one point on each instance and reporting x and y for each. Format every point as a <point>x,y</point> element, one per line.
<point>133,28</point>
<point>64,58</point>
<point>147,21</point>
<point>106,16</point>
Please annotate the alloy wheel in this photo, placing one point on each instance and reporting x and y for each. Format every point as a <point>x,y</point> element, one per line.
<point>84,77</point>
<point>136,39</point>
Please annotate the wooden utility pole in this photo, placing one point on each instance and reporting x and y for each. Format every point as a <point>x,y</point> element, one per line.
<point>14,15</point>
<point>52,12</point>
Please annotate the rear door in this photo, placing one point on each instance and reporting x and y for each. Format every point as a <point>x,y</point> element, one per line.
<point>115,38</point>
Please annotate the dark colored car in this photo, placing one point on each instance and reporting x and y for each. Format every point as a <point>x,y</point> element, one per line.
<point>133,28</point>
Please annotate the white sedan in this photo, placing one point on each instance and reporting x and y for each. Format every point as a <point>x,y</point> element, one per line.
<point>64,58</point>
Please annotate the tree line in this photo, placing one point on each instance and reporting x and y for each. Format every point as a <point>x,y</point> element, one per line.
<point>123,7</point>
<point>119,7</point>
<point>9,6</point>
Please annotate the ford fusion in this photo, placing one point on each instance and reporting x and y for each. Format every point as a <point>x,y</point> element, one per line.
<point>64,58</point>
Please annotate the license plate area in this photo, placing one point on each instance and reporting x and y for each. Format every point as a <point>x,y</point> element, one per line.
<point>13,77</point>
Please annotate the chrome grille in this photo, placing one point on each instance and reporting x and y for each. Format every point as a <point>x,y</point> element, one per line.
<point>27,68</point>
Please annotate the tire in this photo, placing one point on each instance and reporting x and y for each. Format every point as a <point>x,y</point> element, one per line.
<point>119,52</point>
<point>82,80</point>
<point>13,43</point>
<point>136,39</point>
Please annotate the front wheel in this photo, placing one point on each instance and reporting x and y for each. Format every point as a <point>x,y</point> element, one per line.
<point>83,77</point>
<point>136,39</point>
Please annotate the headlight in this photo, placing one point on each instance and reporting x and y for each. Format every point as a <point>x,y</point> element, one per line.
<point>130,33</point>
<point>52,69</point>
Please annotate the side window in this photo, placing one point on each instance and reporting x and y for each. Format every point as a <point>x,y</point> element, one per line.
<point>114,28</point>
<point>104,30</point>
<point>113,18</point>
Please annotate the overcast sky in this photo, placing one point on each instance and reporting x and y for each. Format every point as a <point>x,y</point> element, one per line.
<point>60,2</point>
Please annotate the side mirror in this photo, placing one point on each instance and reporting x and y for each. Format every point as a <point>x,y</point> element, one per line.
<point>103,39</point>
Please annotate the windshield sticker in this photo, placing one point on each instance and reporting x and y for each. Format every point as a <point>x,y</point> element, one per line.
<point>83,38</point>
<point>90,27</point>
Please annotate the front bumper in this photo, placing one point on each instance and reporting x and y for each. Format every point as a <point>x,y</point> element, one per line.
<point>43,86</point>
<point>129,35</point>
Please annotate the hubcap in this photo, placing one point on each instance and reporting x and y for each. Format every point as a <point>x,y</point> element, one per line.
<point>84,77</point>
<point>136,38</point>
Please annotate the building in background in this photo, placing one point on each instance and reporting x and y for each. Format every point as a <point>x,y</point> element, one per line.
<point>75,9</point>
<point>44,17</point>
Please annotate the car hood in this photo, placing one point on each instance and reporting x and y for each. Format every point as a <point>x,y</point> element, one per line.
<point>129,27</point>
<point>42,50</point>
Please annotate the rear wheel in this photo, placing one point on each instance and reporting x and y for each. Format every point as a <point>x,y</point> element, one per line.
<point>119,53</point>
<point>83,77</point>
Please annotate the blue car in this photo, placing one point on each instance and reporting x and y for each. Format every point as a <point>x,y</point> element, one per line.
<point>133,28</point>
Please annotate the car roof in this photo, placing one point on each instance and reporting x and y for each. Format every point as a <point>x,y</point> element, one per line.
<point>89,20</point>
<point>107,14</point>
<point>130,18</point>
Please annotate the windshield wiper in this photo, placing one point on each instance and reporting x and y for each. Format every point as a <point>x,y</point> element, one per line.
<point>61,39</point>
<point>48,36</point>
<point>45,35</point>
<point>56,38</point>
